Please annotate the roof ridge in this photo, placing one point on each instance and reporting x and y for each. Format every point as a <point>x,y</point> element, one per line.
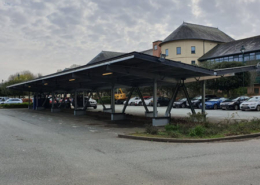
<point>186,23</point>
<point>242,39</point>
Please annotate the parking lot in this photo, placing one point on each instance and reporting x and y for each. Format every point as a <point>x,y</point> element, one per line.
<point>214,115</point>
<point>39,147</point>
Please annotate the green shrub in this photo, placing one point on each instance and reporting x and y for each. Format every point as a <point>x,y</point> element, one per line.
<point>17,105</point>
<point>151,129</point>
<point>170,127</point>
<point>198,117</point>
<point>105,99</point>
<point>197,131</point>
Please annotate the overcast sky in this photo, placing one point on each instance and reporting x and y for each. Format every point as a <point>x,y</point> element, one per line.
<point>43,36</point>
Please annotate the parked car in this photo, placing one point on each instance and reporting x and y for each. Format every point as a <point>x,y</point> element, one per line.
<point>3,99</point>
<point>149,101</point>
<point>90,102</point>
<point>12,101</point>
<point>181,103</point>
<point>162,101</point>
<point>233,103</point>
<point>251,104</point>
<point>198,99</point>
<point>131,101</point>
<point>139,100</point>
<point>213,103</point>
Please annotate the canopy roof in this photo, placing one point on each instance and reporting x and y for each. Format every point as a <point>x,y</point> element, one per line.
<point>127,70</point>
<point>189,31</point>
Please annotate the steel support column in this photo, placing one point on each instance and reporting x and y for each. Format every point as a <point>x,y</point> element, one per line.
<point>188,98</point>
<point>52,102</point>
<point>203,97</point>
<point>75,101</point>
<point>29,100</point>
<point>37,102</point>
<point>84,99</point>
<point>113,99</point>
<point>155,98</point>
<point>174,95</point>
<point>128,98</point>
<point>141,96</point>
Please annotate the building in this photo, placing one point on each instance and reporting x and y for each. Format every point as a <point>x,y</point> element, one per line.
<point>195,44</point>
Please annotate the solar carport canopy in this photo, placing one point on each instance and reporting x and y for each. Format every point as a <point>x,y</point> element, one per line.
<point>127,70</point>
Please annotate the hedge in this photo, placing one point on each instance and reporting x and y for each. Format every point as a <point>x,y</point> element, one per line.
<point>16,105</point>
<point>105,99</point>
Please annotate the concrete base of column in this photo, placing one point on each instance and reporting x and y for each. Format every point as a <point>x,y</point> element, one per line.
<point>55,110</point>
<point>161,121</point>
<point>40,108</point>
<point>107,110</point>
<point>79,112</point>
<point>149,114</point>
<point>117,116</point>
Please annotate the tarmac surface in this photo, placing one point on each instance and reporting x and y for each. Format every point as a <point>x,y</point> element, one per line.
<point>39,147</point>
<point>215,115</point>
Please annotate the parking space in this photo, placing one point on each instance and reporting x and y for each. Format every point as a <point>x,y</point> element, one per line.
<point>40,147</point>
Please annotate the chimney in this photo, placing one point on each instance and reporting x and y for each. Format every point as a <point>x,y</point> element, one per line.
<point>157,48</point>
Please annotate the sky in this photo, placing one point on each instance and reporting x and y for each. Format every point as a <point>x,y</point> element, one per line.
<point>47,35</point>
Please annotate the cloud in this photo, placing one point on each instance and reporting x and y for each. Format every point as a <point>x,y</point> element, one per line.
<point>43,36</point>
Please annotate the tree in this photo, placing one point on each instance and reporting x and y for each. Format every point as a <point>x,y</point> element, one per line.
<point>229,83</point>
<point>17,78</point>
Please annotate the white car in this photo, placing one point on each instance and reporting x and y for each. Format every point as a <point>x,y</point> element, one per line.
<point>149,101</point>
<point>12,101</point>
<point>139,101</point>
<point>251,104</point>
<point>131,101</point>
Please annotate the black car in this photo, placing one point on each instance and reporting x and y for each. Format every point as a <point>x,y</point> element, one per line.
<point>198,99</point>
<point>162,101</point>
<point>181,103</point>
<point>233,103</point>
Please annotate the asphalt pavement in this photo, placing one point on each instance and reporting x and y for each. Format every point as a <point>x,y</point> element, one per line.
<point>43,148</point>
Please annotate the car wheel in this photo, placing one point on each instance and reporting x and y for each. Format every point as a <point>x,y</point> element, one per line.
<point>131,103</point>
<point>183,106</point>
<point>140,103</point>
<point>198,106</point>
<point>236,107</point>
<point>258,108</point>
<point>158,104</point>
<point>95,107</point>
<point>215,107</point>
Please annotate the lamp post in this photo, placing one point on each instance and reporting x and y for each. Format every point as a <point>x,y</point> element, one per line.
<point>243,51</point>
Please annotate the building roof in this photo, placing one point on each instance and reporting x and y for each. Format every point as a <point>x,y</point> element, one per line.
<point>148,52</point>
<point>193,31</point>
<point>231,48</point>
<point>104,55</point>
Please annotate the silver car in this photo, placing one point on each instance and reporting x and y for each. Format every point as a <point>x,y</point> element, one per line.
<point>12,101</point>
<point>251,104</point>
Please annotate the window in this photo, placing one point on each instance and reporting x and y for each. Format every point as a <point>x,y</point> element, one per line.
<point>230,59</point>
<point>155,47</point>
<point>178,50</point>
<point>225,59</point>
<point>216,60</point>
<point>236,58</point>
<point>257,56</point>
<point>256,90</point>
<point>166,52</point>
<point>252,56</point>
<point>193,62</point>
<point>246,57</point>
<point>193,49</point>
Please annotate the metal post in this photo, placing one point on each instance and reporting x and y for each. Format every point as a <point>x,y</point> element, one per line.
<point>52,102</point>
<point>140,95</point>
<point>101,100</point>
<point>174,95</point>
<point>155,98</point>
<point>203,97</point>
<point>243,72</point>
<point>29,100</point>
<point>75,101</point>
<point>128,98</point>
<point>37,97</point>
<point>113,99</point>
<point>188,99</point>
<point>84,99</point>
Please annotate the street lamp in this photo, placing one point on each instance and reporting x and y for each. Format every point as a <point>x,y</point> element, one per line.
<point>243,52</point>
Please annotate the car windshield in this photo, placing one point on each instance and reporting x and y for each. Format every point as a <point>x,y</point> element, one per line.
<point>183,99</point>
<point>235,99</point>
<point>213,100</point>
<point>254,99</point>
<point>197,98</point>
